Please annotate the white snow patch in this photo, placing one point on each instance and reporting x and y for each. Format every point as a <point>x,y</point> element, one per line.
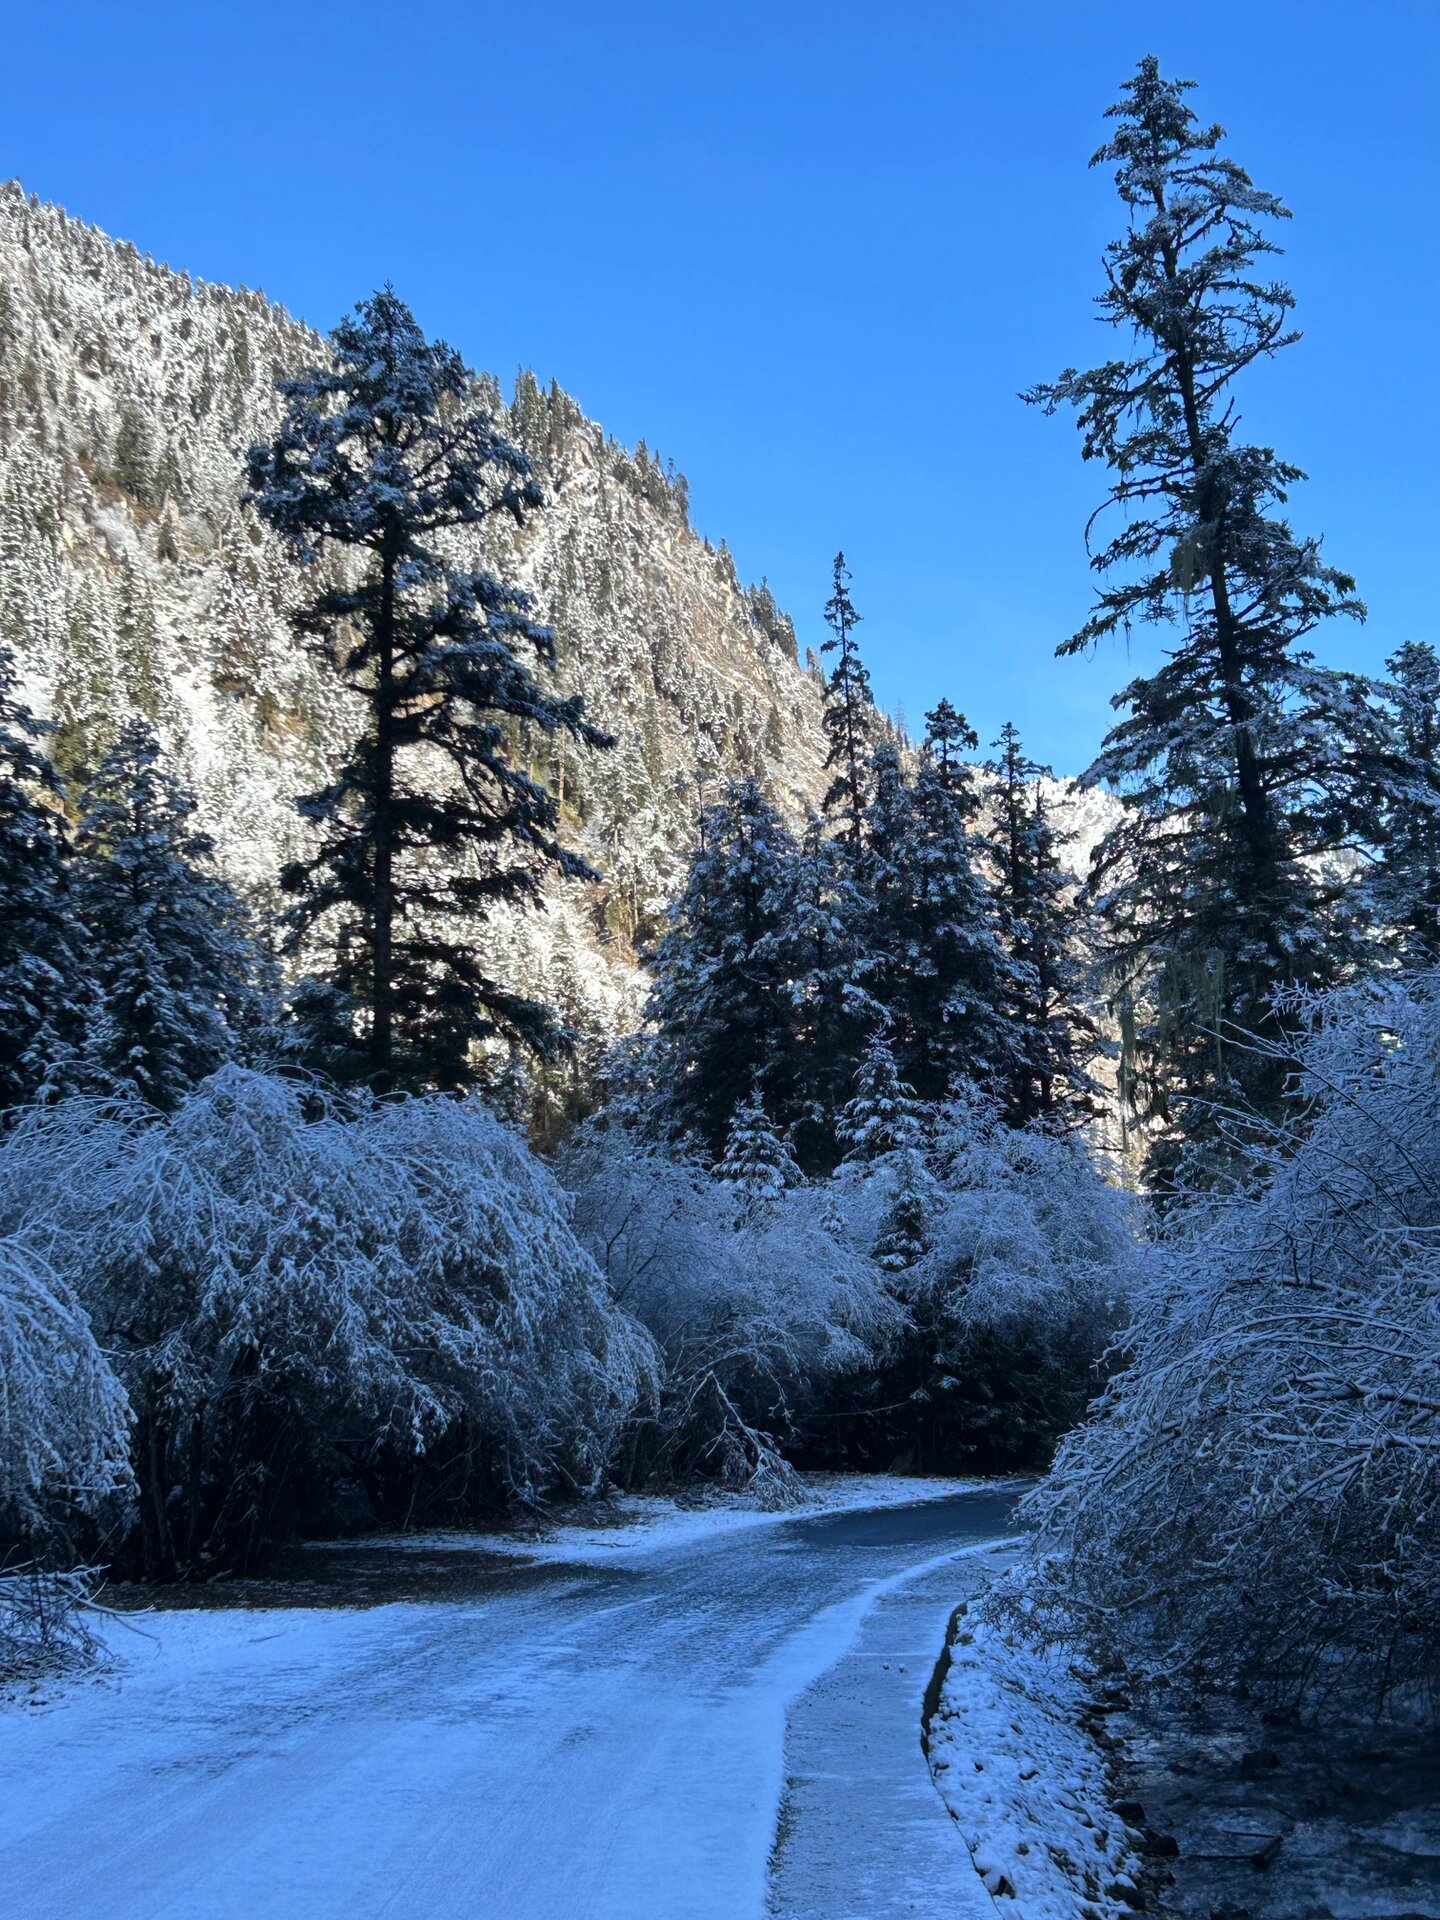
<point>1026,1784</point>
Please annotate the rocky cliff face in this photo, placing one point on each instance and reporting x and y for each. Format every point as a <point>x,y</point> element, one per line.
<point>132,576</point>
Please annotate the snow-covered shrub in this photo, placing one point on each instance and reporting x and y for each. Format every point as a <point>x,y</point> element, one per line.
<point>1011,1254</point>
<point>64,1420</point>
<point>43,1624</point>
<point>760,1303</point>
<point>1258,1494</point>
<point>64,1458</point>
<point>302,1290</point>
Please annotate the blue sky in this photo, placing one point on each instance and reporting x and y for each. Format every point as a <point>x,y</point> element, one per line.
<point>811,252</point>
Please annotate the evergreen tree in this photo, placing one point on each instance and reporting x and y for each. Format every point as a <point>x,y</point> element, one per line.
<point>904,1237</point>
<point>383,455</point>
<point>181,977</point>
<point>821,941</point>
<point>849,718</point>
<point>44,990</point>
<point>1236,759</point>
<point>883,1116</point>
<point>720,1001</point>
<point>1043,931</point>
<point>949,736</point>
<point>935,962</point>
<point>756,1160</point>
<point>1405,884</point>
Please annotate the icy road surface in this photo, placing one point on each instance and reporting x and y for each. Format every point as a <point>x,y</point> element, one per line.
<point>710,1728</point>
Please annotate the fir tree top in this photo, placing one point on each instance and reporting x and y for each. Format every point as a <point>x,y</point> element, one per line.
<point>884,1116</point>
<point>756,1161</point>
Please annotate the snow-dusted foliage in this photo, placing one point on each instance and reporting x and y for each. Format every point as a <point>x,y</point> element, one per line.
<point>64,1460</point>
<point>181,979</point>
<point>305,1293</point>
<point>64,1419</point>
<point>1257,1495</point>
<point>1012,1255</point>
<point>760,1302</point>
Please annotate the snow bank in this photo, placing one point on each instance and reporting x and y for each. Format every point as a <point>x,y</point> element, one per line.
<point>1026,1784</point>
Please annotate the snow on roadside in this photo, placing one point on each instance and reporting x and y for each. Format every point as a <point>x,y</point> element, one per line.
<point>653,1523</point>
<point>1026,1784</point>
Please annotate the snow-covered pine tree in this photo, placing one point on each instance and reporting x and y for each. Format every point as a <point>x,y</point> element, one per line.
<point>904,1236</point>
<point>720,1001</point>
<point>45,994</point>
<point>935,961</point>
<point>756,1161</point>
<point>849,718</point>
<point>882,1116</point>
<point>182,979</point>
<point>821,941</point>
<point>949,736</point>
<point>383,455</point>
<point>1405,882</point>
<point>1235,760</point>
<point>1047,936</point>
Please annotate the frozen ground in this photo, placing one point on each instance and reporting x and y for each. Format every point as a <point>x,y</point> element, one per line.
<point>602,1739</point>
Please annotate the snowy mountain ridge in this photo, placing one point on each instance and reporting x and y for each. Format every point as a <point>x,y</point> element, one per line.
<point>135,577</point>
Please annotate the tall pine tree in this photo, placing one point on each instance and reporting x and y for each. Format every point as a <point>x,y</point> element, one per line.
<point>849,718</point>
<point>1236,759</point>
<point>821,942</point>
<point>183,982</point>
<point>720,1001</point>
<point>935,962</point>
<point>1043,929</point>
<point>384,456</point>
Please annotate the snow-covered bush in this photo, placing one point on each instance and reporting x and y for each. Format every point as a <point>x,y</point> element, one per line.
<point>760,1302</point>
<point>1258,1494</point>
<point>303,1290</point>
<point>64,1420</point>
<point>1011,1254</point>
<point>44,1628</point>
<point>64,1458</point>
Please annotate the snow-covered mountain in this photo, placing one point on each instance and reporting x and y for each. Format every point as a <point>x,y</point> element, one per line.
<point>133,576</point>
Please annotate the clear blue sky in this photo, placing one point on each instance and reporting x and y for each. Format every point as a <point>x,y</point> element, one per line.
<point>810,251</point>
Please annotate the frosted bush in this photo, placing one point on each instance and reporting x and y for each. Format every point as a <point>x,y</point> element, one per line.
<point>64,1419</point>
<point>760,1306</point>
<point>304,1290</point>
<point>1012,1253</point>
<point>1258,1494</point>
<point>64,1458</point>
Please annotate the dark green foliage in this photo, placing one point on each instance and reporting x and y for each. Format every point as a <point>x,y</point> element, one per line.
<point>1405,884</point>
<point>934,958</point>
<point>849,712</point>
<point>384,454</point>
<point>1238,760</point>
<point>132,458</point>
<point>720,1001</point>
<point>832,1012</point>
<point>184,985</point>
<point>1044,932</point>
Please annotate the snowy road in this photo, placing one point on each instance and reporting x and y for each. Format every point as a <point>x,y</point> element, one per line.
<point>624,1740</point>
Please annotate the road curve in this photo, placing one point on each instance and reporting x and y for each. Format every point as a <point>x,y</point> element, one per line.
<point>596,1742</point>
